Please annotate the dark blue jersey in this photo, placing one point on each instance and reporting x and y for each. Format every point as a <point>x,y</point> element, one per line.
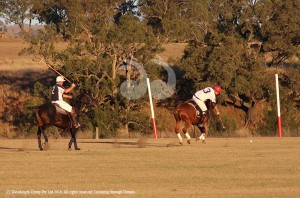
<point>57,92</point>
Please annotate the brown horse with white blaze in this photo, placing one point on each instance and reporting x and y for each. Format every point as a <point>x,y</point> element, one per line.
<point>187,112</point>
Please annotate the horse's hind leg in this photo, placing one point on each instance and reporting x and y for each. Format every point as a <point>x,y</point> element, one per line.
<point>186,133</point>
<point>184,130</point>
<point>41,130</point>
<point>177,127</point>
<point>203,133</point>
<point>177,131</point>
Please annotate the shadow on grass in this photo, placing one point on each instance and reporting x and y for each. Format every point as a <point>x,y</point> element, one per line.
<point>8,148</point>
<point>16,149</point>
<point>140,144</point>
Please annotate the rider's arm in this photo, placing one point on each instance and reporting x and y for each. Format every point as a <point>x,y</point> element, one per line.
<point>215,108</point>
<point>67,96</point>
<point>69,89</point>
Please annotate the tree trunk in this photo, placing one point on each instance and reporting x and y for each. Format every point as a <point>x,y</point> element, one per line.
<point>114,74</point>
<point>126,131</point>
<point>114,65</point>
<point>128,73</point>
<point>126,127</point>
<point>29,27</point>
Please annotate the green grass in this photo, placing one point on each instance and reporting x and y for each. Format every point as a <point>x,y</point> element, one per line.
<point>221,168</point>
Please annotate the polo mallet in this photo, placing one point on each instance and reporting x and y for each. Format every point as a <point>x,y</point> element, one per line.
<point>221,122</point>
<point>49,66</point>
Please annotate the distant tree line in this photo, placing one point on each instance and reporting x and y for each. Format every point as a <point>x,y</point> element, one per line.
<point>239,44</point>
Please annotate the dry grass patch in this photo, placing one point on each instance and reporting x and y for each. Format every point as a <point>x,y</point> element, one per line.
<point>173,51</point>
<point>9,58</point>
<point>221,168</point>
<point>11,61</point>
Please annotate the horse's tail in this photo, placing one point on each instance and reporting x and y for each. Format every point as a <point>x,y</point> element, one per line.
<point>38,118</point>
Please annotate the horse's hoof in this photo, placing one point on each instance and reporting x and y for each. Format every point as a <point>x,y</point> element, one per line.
<point>203,141</point>
<point>41,149</point>
<point>45,146</point>
<point>77,149</point>
<point>180,143</point>
<point>189,141</point>
<point>69,148</point>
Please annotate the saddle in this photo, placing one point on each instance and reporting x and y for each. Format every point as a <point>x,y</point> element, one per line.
<point>197,108</point>
<point>59,109</point>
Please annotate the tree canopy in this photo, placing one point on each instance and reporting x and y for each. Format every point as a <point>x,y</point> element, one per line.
<point>238,44</point>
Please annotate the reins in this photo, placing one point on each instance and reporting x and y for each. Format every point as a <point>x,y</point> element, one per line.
<point>81,101</point>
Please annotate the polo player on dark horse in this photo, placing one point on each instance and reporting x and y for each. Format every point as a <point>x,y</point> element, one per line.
<point>60,114</point>
<point>57,95</point>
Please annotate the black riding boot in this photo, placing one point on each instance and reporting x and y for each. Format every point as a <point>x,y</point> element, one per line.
<point>200,123</point>
<point>72,116</point>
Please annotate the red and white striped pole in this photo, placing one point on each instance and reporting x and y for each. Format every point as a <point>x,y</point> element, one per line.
<point>278,106</point>
<point>152,109</point>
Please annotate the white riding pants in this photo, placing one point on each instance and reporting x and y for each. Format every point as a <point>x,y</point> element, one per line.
<point>200,103</point>
<point>64,105</point>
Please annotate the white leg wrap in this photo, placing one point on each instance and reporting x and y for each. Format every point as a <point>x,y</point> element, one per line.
<point>188,136</point>
<point>179,136</point>
<point>202,136</point>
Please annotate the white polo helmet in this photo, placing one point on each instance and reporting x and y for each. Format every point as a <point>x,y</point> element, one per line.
<point>60,79</point>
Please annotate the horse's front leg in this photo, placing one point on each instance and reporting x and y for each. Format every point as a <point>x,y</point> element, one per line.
<point>39,132</point>
<point>184,130</point>
<point>45,144</point>
<point>73,139</point>
<point>70,143</point>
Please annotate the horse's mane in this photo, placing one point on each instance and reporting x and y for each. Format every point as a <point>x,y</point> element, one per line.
<point>77,96</point>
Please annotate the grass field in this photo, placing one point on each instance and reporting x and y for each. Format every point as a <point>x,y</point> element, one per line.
<point>11,61</point>
<point>224,167</point>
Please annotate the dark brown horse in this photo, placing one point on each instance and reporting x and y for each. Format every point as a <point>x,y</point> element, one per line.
<point>190,113</point>
<point>47,115</point>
